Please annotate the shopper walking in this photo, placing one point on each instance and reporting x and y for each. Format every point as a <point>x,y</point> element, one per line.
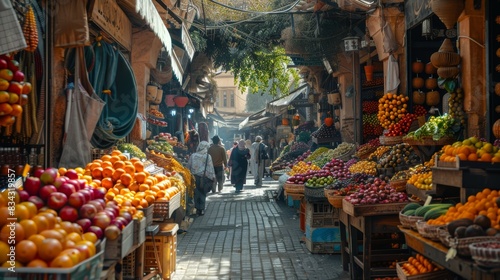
<point>259,160</point>
<point>219,159</point>
<point>200,164</point>
<point>239,165</point>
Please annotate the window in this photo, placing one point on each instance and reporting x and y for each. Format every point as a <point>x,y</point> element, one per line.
<point>224,99</point>
<point>231,94</point>
<point>221,98</point>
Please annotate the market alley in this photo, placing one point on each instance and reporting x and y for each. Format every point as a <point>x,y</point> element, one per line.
<point>250,236</point>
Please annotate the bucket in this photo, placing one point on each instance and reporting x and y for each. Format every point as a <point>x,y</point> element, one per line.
<point>369,73</point>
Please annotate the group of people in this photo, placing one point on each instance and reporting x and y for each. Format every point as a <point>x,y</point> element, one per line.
<point>208,163</point>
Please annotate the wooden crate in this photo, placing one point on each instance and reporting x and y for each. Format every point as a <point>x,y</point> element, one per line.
<point>166,247</point>
<point>442,274</point>
<point>164,210</point>
<point>139,231</point>
<point>321,214</point>
<point>372,209</point>
<point>148,214</point>
<point>117,249</point>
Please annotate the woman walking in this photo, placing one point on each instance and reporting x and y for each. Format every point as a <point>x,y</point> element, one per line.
<point>200,164</point>
<point>239,164</point>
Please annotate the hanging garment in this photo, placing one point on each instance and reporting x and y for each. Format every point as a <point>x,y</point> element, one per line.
<point>82,113</point>
<point>392,80</point>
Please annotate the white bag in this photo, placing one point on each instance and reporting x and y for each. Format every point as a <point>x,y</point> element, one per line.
<point>392,80</point>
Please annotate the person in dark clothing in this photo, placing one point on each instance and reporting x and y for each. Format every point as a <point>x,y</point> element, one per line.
<point>239,164</point>
<point>218,154</point>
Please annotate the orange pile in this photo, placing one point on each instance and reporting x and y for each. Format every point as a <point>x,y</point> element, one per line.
<point>470,149</point>
<point>483,203</point>
<point>42,239</point>
<point>418,265</point>
<point>391,108</point>
<point>127,182</point>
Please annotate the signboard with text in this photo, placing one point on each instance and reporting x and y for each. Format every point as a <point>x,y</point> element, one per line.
<point>111,19</point>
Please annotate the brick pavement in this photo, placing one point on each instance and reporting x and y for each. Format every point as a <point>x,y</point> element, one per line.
<point>250,236</point>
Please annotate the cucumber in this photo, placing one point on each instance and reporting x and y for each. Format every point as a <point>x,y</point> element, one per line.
<point>410,212</point>
<point>435,213</point>
<point>422,210</point>
<point>411,206</point>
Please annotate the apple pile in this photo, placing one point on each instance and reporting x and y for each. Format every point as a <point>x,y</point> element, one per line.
<point>302,178</point>
<point>376,191</point>
<point>13,90</point>
<point>166,136</point>
<point>402,127</point>
<point>76,201</point>
<point>338,169</point>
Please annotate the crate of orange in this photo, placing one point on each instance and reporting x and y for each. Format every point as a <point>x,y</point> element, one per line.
<point>148,214</point>
<point>164,207</point>
<point>90,268</point>
<point>419,268</point>
<point>117,249</point>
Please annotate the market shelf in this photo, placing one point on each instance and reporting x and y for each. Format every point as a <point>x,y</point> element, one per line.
<point>422,194</point>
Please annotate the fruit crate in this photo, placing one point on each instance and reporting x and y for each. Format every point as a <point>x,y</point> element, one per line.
<point>321,214</point>
<point>166,248</point>
<point>117,249</point>
<point>128,266</point>
<point>148,214</point>
<point>372,209</point>
<point>90,268</point>
<point>441,274</point>
<point>164,209</point>
<point>139,231</point>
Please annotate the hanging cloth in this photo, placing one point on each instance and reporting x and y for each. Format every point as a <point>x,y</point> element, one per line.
<point>392,79</point>
<point>82,113</point>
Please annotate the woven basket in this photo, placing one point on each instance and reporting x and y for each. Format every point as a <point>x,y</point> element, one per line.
<point>421,228</point>
<point>366,153</point>
<point>390,140</point>
<point>399,185</point>
<point>409,221</point>
<point>336,200</point>
<point>160,161</point>
<point>444,236</point>
<point>347,156</point>
<point>462,244</point>
<point>314,192</point>
<point>484,256</point>
<point>294,188</point>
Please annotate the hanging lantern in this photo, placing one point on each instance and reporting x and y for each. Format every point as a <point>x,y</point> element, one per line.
<point>169,100</point>
<point>181,100</point>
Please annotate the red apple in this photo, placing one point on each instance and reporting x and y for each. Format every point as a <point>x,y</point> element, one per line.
<point>68,213</point>
<point>76,199</point>
<point>88,211</point>
<point>46,190</point>
<point>110,213</point>
<point>101,220</point>
<point>49,175</point>
<point>87,194</point>
<point>72,174</point>
<point>100,192</point>
<point>84,224</point>
<point>59,181</point>
<point>18,77</point>
<point>23,195</point>
<point>100,201</point>
<point>112,232</point>
<point>67,189</point>
<point>32,185</point>
<point>126,215</point>
<point>97,205</point>
<point>38,171</point>
<point>3,63</point>
<point>97,230</point>
<point>57,200</point>
<point>37,201</point>
<point>13,65</point>
<point>121,221</point>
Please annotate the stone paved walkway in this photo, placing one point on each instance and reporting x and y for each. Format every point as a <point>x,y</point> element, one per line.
<point>250,236</point>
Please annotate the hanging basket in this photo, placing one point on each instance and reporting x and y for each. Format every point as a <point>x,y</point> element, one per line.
<point>448,11</point>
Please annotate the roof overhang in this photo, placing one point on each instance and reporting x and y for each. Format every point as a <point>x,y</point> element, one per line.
<point>279,106</point>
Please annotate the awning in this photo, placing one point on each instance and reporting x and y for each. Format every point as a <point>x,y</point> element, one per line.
<point>216,116</point>
<point>278,106</point>
<point>255,119</point>
<point>149,13</point>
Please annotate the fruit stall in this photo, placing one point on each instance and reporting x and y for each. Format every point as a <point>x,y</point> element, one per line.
<point>86,222</point>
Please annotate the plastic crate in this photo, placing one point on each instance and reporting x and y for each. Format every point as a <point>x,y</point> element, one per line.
<point>117,249</point>
<point>88,269</point>
<point>128,266</point>
<point>293,203</point>
<point>166,248</point>
<point>321,214</point>
<point>163,210</point>
<point>323,247</point>
<point>148,214</point>
<point>139,231</point>
<point>323,234</point>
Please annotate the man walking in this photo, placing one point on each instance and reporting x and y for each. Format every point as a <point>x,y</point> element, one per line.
<point>219,159</point>
<point>259,149</point>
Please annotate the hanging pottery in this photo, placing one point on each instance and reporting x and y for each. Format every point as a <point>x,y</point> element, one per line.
<point>181,101</point>
<point>448,11</point>
<point>418,97</point>
<point>417,67</point>
<point>430,69</point>
<point>169,100</point>
<point>369,72</point>
<point>431,83</point>
<point>448,72</point>
<point>446,56</point>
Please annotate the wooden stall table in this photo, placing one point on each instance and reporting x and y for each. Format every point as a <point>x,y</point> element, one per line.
<point>426,147</point>
<point>368,220</point>
<point>436,252</point>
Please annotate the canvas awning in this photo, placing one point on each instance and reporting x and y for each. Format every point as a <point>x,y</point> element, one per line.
<point>147,10</point>
<point>258,118</point>
<point>279,106</point>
